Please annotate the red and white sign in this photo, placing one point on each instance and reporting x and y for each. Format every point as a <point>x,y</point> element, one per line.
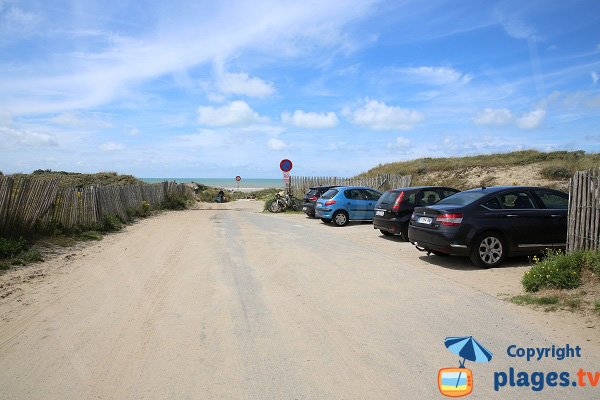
<point>238,178</point>
<point>286,177</point>
<point>285,165</point>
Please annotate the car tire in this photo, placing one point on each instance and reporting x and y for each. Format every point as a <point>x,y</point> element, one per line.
<point>326,220</point>
<point>386,233</point>
<point>404,232</point>
<point>340,218</point>
<point>488,250</point>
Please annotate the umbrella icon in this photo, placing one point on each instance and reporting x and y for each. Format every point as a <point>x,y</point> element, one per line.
<point>469,349</point>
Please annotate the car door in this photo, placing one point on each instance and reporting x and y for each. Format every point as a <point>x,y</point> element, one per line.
<point>556,205</point>
<point>370,200</point>
<point>354,204</point>
<point>525,222</point>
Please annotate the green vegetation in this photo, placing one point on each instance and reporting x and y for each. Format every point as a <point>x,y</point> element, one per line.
<point>77,180</point>
<point>558,165</point>
<point>597,307</point>
<point>526,299</point>
<point>558,270</point>
<point>90,235</point>
<point>17,252</point>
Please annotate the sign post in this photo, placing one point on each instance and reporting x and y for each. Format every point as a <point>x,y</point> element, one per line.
<point>286,166</point>
<point>238,179</point>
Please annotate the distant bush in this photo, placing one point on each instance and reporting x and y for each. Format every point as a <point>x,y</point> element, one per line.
<point>558,270</point>
<point>11,247</point>
<point>111,223</point>
<point>556,172</point>
<point>175,203</point>
<point>90,235</point>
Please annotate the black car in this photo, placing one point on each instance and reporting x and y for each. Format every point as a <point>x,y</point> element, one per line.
<point>311,196</point>
<point>394,208</point>
<point>490,224</point>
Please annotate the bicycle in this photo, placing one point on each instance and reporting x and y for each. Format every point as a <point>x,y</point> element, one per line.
<point>282,202</point>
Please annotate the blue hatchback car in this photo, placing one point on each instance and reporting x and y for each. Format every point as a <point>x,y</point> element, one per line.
<point>342,204</point>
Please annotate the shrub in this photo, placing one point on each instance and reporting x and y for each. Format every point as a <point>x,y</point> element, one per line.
<point>111,223</point>
<point>90,235</point>
<point>556,172</point>
<point>555,271</point>
<point>175,203</point>
<point>144,209</point>
<point>11,247</point>
<point>32,255</point>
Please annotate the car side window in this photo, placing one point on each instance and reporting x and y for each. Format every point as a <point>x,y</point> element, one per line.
<point>371,194</point>
<point>553,200</point>
<point>352,194</point>
<point>412,198</point>
<point>517,201</point>
<point>428,197</point>
<point>447,193</point>
<point>492,204</point>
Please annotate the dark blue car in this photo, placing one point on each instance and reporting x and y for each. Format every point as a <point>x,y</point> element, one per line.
<point>345,203</point>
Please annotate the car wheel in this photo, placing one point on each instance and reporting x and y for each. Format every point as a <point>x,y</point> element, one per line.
<point>386,233</point>
<point>326,220</point>
<point>488,250</point>
<point>340,218</point>
<point>404,232</point>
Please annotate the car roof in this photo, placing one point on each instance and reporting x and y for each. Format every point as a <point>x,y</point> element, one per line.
<point>323,186</point>
<point>423,187</point>
<point>356,187</point>
<point>495,189</point>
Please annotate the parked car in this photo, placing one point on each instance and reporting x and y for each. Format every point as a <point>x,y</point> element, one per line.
<point>394,208</point>
<point>311,196</point>
<point>346,203</point>
<point>490,224</point>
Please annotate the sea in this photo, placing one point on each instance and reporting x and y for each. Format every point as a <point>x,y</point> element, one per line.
<point>229,183</point>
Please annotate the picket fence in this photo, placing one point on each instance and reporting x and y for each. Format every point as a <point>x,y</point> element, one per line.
<point>28,204</point>
<point>300,184</point>
<point>584,211</point>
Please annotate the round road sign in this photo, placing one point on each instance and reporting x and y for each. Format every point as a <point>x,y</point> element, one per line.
<point>285,165</point>
<point>238,178</point>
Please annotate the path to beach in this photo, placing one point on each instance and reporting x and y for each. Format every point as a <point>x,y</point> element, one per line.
<point>225,302</point>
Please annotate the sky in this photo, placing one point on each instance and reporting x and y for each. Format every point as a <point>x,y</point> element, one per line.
<point>225,88</point>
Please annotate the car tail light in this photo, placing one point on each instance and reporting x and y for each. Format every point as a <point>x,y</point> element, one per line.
<point>450,219</point>
<point>314,198</point>
<point>398,201</point>
<point>329,202</point>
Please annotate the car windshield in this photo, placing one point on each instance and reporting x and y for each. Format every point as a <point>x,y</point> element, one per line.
<point>388,197</point>
<point>329,194</point>
<point>462,198</point>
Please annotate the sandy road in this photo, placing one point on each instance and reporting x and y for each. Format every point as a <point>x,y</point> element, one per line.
<point>228,303</point>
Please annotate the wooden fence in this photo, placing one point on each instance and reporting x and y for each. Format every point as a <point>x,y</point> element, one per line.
<point>300,184</point>
<point>584,211</point>
<point>27,203</point>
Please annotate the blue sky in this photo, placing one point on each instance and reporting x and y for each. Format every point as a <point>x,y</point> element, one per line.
<point>225,88</point>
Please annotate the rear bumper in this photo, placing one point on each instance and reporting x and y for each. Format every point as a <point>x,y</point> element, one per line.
<point>323,212</point>
<point>391,225</point>
<point>442,241</point>
<point>308,208</point>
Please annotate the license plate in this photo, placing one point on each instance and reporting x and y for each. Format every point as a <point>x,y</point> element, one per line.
<point>379,212</point>
<point>425,220</point>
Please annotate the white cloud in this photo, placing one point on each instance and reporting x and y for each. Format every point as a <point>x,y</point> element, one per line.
<point>111,146</point>
<point>204,138</point>
<point>26,137</point>
<point>400,143</point>
<point>595,77</point>
<point>111,69</point>
<point>236,113</point>
<point>377,115</point>
<point>437,75</point>
<point>494,116</point>
<point>517,29</point>
<point>16,23</point>
<point>276,144</point>
<point>243,84</point>
<point>532,119</point>
<point>134,132</point>
<point>82,120</point>
<point>310,120</point>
